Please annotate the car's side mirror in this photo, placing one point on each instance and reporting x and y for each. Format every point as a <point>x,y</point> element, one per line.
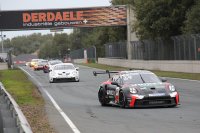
<point>77,68</point>
<point>163,79</point>
<point>94,73</point>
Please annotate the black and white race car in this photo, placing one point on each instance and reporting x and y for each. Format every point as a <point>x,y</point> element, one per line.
<point>137,88</point>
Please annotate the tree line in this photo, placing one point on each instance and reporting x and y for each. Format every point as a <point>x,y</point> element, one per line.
<point>154,18</point>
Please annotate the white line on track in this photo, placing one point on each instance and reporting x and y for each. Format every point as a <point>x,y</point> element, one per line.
<point>66,118</point>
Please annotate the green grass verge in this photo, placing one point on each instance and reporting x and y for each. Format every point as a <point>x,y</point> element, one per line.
<point>28,98</point>
<point>193,76</point>
<point>18,85</point>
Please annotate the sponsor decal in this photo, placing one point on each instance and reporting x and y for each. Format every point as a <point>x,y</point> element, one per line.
<point>149,84</point>
<point>55,19</point>
<point>62,18</point>
<point>157,94</point>
<point>110,92</point>
<point>51,16</point>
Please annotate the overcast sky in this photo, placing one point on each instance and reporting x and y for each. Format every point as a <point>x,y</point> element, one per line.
<point>45,4</point>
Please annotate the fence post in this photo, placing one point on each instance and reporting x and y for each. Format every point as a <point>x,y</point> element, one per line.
<point>95,53</point>
<point>195,46</point>
<point>174,39</point>
<point>184,47</point>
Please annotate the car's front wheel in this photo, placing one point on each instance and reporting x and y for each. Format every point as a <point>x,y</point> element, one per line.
<point>122,99</point>
<point>102,97</point>
<point>76,79</point>
<point>51,80</point>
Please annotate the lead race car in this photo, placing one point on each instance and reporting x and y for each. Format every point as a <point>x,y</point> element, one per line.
<point>136,88</point>
<point>63,71</point>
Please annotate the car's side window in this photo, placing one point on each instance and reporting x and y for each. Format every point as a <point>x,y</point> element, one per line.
<point>116,78</point>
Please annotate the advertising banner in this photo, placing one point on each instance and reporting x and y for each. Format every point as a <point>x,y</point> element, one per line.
<point>63,18</point>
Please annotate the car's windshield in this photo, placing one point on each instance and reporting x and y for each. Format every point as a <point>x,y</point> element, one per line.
<point>136,78</point>
<point>64,67</point>
<point>42,62</point>
<point>34,60</point>
<point>55,62</point>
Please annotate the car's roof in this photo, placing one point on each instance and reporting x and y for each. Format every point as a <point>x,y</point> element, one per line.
<point>63,64</point>
<point>36,59</point>
<point>55,61</point>
<point>42,60</point>
<point>136,71</point>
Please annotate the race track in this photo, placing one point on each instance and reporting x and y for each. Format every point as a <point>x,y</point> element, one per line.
<point>79,102</point>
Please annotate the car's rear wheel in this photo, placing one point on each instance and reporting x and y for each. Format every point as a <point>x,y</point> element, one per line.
<point>102,97</point>
<point>122,99</point>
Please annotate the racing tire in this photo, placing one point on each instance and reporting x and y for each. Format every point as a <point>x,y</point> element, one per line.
<point>76,80</point>
<point>44,71</point>
<point>122,100</point>
<point>52,81</point>
<point>102,97</point>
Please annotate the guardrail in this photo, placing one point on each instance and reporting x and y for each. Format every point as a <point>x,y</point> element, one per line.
<point>21,122</point>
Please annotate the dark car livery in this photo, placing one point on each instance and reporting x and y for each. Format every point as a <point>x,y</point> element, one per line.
<point>138,88</point>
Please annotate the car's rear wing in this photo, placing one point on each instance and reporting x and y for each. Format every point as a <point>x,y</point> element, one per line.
<point>95,73</point>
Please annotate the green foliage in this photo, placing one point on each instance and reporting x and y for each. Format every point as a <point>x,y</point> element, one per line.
<point>87,37</point>
<point>192,22</point>
<point>26,44</point>
<point>164,18</point>
<point>160,18</point>
<point>122,2</point>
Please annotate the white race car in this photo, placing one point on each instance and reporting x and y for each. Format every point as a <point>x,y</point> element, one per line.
<point>63,71</point>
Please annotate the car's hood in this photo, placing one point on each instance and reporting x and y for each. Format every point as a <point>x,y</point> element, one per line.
<point>152,88</point>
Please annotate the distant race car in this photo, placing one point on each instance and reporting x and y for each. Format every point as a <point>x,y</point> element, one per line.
<point>137,88</point>
<point>63,71</point>
<point>33,62</point>
<point>50,64</point>
<point>40,65</point>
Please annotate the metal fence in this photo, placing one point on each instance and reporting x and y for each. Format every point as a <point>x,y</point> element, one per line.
<point>116,50</point>
<point>184,47</point>
<point>152,50</point>
<point>79,53</point>
<point>187,47</point>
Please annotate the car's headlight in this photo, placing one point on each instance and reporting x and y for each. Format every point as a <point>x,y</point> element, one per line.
<point>133,90</point>
<point>172,88</point>
<point>74,73</point>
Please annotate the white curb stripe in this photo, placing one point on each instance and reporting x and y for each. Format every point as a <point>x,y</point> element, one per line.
<point>66,118</point>
<point>70,123</point>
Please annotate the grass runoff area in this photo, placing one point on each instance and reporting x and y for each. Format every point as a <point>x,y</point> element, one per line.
<point>28,98</point>
<point>192,76</point>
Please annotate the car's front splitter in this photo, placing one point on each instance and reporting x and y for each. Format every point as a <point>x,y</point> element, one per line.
<point>142,101</point>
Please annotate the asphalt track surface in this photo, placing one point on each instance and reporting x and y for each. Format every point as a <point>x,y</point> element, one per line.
<point>79,102</point>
